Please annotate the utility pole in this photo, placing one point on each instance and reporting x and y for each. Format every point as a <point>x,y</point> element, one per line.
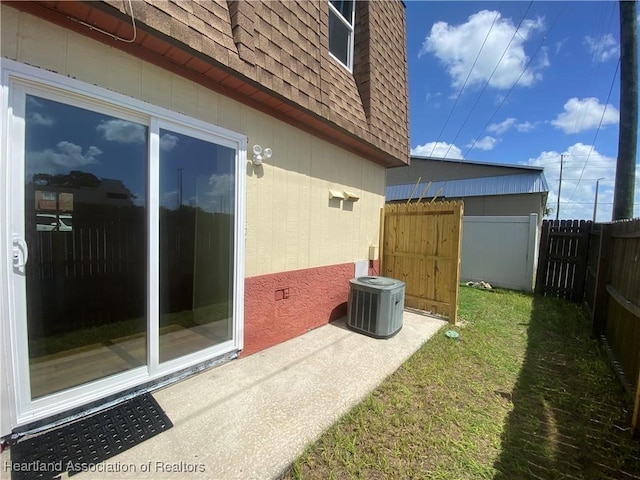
<point>595,203</point>
<point>628,133</point>
<point>180,187</point>
<point>559,186</point>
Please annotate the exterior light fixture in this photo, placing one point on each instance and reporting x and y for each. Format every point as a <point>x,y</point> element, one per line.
<point>260,154</point>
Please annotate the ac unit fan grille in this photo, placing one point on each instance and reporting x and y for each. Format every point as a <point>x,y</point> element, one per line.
<point>365,310</point>
<point>375,306</point>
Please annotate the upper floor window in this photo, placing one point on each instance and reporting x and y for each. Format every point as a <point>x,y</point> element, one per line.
<point>341,22</point>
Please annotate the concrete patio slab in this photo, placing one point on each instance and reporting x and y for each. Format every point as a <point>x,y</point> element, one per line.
<point>250,418</point>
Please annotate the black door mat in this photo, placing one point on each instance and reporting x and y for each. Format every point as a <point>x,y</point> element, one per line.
<point>81,445</point>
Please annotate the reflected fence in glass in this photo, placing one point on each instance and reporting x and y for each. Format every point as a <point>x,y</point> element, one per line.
<point>197,189</point>
<point>86,231</point>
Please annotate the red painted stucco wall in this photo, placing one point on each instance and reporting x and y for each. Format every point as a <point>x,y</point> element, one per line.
<point>281,306</point>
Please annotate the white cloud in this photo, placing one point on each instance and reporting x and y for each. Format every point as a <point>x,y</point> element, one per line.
<point>170,199</point>
<point>138,199</point>
<point>457,46</point>
<point>122,131</point>
<point>543,61</point>
<point>67,156</point>
<point>32,102</point>
<point>603,48</point>
<point>580,115</point>
<point>485,143</point>
<point>221,184</point>
<point>437,150</point>
<point>526,126</point>
<point>219,198</point>
<point>502,127</point>
<point>39,119</point>
<point>433,99</point>
<point>501,99</point>
<point>581,205</point>
<point>168,142</point>
<point>509,123</point>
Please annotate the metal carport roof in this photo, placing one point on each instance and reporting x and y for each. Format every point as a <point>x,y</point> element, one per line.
<point>472,187</point>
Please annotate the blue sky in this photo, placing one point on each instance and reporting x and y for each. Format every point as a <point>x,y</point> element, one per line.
<point>520,82</point>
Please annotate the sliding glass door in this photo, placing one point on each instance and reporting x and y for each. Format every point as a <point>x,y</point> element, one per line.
<point>197,182</point>
<point>125,232</point>
<point>85,227</point>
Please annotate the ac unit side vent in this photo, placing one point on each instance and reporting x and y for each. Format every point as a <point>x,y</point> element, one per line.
<point>375,306</point>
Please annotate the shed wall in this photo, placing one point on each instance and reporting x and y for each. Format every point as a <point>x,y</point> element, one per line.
<point>505,205</point>
<point>500,250</point>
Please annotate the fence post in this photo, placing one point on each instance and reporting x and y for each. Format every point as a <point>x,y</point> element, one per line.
<point>635,421</point>
<point>543,258</point>
<point>458,209</point>
<point>600,291</point>
<point>381,242</point>
<point>532,249</point>
<point>582,259</point>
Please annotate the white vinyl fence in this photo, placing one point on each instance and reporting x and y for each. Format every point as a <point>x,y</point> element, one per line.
<point>500,250</point>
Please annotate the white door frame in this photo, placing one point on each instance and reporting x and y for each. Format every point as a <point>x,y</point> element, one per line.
<point>16,80</point>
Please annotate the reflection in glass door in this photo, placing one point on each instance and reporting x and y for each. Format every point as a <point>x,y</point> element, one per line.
<point>126,230</point>
<point>197,191</point>
<point>85,226</point>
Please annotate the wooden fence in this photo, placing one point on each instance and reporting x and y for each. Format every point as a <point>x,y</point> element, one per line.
<point>96,274</point>
<point>562,263</point>
<point>421,246</point>
<point>599,264</point>
<point>593,263</point>
<point>613,299</point>
<point>93,275</point>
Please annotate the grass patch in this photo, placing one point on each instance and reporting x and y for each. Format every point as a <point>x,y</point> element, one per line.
<point>524,393</point>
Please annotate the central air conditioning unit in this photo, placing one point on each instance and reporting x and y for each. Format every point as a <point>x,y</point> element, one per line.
<point>375,306</point>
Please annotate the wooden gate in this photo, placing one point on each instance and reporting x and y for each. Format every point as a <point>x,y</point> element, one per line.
<point>562,264</point>
<point>421,246</point>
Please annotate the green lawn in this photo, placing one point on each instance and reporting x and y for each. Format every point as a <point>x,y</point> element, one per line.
<point>525,393</point>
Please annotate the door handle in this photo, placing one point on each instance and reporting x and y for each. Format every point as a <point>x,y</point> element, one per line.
<point>20,252</point>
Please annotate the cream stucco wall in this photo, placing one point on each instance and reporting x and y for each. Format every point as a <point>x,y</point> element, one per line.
<point>291,223</point>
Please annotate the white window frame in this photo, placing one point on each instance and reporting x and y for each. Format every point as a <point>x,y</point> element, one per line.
<point>351,27</point>
<point>18,80</point>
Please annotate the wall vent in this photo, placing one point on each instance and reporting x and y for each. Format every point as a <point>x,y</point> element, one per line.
<point>375,306</point>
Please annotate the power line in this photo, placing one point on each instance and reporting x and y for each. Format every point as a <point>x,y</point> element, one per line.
<point>587,203</point>
<point>604,110</point>
<point>554,164</point>
<point>557,157</point>
<point>586,179</point>
<point>517,80</point>
<point>484,87</point>
<point>435,144</point>
<point>584,107</point>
